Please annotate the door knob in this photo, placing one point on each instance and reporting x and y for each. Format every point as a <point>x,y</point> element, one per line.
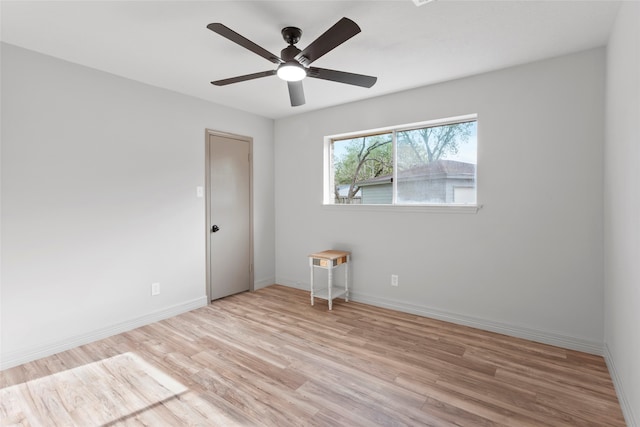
<point>214,228</point>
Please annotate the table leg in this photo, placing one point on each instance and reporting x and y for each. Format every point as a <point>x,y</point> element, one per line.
<point>311,267</point>
<point>346,279</point>
<point>330,284</point>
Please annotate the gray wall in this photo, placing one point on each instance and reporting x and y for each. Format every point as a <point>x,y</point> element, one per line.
<point>530,263</point>
<point>431,191</point>
<point>622,210</point>
<point>377,194</point>
<point>99,177</point>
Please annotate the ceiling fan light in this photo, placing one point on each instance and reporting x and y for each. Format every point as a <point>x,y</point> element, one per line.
<point>291,72</point>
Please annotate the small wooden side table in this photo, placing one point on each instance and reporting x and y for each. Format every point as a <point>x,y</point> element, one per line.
<point>329,260</point>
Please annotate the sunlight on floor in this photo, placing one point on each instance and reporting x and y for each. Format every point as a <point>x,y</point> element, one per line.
<point>105,393</point>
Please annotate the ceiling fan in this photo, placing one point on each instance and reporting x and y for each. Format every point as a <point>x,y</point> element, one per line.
<point>293,63</point>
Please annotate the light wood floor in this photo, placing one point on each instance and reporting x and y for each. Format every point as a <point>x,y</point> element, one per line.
<point>270,359</point>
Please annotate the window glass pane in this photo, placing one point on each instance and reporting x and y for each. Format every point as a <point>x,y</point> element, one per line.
<point>363,168</point>
<point>437,164</point>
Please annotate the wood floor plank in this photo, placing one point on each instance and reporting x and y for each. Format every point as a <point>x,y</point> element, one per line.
<point>269,358</point>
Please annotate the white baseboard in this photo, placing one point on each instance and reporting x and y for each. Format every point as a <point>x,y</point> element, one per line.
<point>15,358</point>
<point>544,337</point>
<point>627,410</point>
<point>262,283</point>
<point>293,284</point>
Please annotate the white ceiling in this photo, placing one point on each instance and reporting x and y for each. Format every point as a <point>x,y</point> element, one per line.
<point>167,44</point>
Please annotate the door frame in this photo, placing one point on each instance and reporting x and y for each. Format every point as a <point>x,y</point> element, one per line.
<point>207,203</point>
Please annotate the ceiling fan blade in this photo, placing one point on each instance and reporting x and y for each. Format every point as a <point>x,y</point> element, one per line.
<point>341,77</point>
<point>244,78</point>
<point>296,93</point>
<point>228,33</point>
<point>342,31</point>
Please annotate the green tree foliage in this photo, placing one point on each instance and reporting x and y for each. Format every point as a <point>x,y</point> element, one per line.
<point>420,146</point>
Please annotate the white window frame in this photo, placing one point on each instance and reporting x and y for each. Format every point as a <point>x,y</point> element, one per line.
<point>328,172</point>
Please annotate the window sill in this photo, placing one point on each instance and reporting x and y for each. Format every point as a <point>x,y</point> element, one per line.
<point>448,209</point>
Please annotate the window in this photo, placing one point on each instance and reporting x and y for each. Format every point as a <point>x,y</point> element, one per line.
<point>431,163</point>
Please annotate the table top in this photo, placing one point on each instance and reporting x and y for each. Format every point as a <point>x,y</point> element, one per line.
<point>330,254</point>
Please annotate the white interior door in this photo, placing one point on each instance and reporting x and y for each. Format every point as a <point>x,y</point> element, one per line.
<point>229,216</point>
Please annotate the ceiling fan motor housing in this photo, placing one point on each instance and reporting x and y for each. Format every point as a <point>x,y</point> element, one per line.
<point>289,53</point>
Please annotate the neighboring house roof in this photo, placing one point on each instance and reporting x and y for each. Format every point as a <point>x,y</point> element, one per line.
<point>439,169</point>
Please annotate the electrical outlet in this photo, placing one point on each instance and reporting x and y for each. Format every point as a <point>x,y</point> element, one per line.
<point>155,289</point>
<point>394,280</point>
